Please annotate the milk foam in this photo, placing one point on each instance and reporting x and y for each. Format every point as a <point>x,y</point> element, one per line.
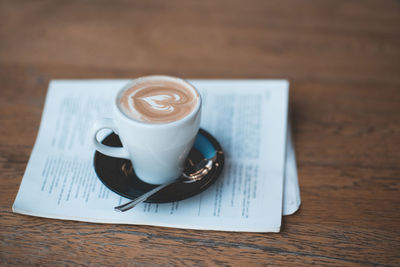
<point>158,100</point>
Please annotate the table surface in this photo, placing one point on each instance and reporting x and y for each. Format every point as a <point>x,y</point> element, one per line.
<point>342,59</point>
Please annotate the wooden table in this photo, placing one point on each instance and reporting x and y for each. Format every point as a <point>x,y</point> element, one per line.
<point>343,62</point>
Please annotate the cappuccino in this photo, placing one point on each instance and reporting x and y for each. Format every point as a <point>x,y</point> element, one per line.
<point>157,119</point>
<point>158,99</point>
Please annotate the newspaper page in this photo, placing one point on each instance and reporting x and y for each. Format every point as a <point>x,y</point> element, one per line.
<point>247,117</point>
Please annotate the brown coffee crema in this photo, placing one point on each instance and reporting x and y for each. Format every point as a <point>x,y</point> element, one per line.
<point>158,101</point>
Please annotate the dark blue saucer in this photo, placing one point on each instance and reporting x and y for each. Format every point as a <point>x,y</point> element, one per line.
<point>119,176</point>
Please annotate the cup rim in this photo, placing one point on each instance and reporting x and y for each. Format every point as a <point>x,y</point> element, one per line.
<point>158,125</point>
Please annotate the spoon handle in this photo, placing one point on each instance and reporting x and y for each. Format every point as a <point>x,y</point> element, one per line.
<point>131,204</point>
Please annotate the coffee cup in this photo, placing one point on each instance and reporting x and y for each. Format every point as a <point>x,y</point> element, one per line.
<point>157,119</point>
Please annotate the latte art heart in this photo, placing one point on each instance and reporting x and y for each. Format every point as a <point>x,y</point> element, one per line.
<point>157,102</point>
<point>162,102</point>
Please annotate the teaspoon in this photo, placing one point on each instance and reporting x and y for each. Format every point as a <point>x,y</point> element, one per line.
<point>194,174</point>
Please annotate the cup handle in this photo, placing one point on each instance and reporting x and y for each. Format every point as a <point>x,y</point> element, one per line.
<point>116,152</point>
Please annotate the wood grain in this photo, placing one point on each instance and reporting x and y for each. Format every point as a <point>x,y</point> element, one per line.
<point>342,59</point>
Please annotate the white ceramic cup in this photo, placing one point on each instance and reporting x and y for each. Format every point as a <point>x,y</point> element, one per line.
<point>158,151</point>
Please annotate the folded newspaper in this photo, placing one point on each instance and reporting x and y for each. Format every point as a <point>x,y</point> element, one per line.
<point>258,185</point>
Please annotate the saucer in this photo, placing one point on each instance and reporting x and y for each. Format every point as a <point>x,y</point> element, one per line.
<point>119,176</point>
